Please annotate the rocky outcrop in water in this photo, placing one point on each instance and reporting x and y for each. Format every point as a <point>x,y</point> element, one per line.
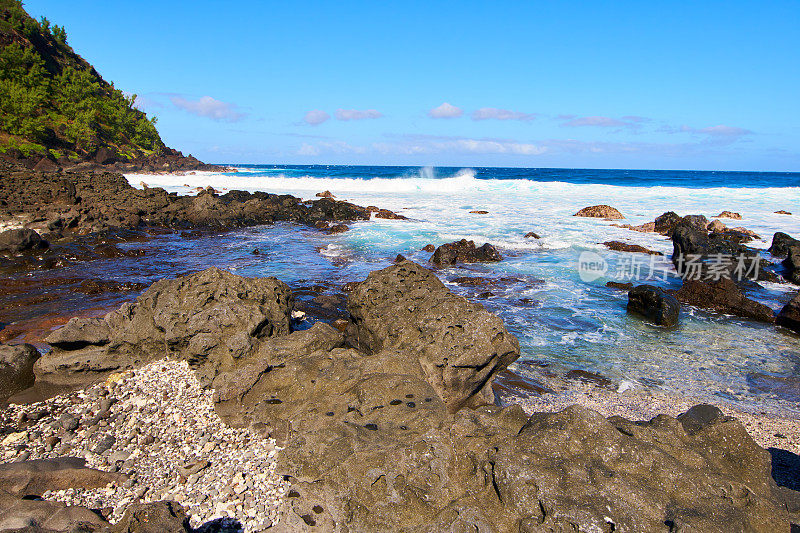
<point>789,316</point>
<point>781,243</point>
<point>212,319</point>
<point>619,246</point>
<point>600,211</point>
<point>464,251</point>
<point>91,202</point>
<point>21,240</point>
<point>654,304</point>
<point>723,296</point>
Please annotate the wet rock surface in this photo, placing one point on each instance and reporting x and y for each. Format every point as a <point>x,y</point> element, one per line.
<point>654,304</point>
<point>723,296</point>
<point>464,251</point>
<point>789,316</point>
<point>619,246</point>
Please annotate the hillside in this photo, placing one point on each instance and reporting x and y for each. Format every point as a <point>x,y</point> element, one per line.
<point>57,111</point>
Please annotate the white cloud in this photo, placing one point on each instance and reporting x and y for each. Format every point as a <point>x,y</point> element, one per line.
<point>308,149</point>
<point>487,113</point>
<point>209,107</point>
<point>603,122</point>
<point>445,111</point>
<point>316,117</point>
<point>356,114</point>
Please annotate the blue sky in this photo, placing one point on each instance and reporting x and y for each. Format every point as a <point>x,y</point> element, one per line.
<point>669,85</point>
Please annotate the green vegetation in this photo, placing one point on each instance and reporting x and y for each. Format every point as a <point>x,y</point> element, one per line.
<point>50,97</point>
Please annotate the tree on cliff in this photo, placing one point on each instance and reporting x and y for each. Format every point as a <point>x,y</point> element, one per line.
<point>52,100</point>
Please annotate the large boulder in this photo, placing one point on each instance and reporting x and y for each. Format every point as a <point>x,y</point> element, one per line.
<point>654,304</point>
<point>211,318</point>
<point>600,211</point>
<point>16,368</point>
<point>789,316</point>
<point>792,264</point>
<point>21,240</point>
<point>464,251</point>
<point>723,296</point>
<point>666,223</point>
<point>781,242</point>
<point>454,344</point>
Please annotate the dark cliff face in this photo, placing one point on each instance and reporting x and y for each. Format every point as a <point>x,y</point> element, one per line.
<point>56,111</point>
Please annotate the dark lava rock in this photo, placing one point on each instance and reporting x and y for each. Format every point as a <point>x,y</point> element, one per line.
<point>21,240</point>
<point>428,248</point>
<point>211,318</point>
<point>589,377</point>
<point>619,246</point>
<point>723,296</point>
<point>729,214</point>
<point>784,387</point>
<point>325,194</point>
<point>792,264</point>
<point>781,243</point>
<point>698,255</point>
<point>457,345</point>
<point>666,223</point>
<point>389,215</point>
<point>654,304</point>
<point>620,285</point>
<point>338,228</point>
<point>600,211</point>
<point>789,316</point>
<point>532,235</point>
<point>100,286</point>
<point>16,368</point>
<point>479,212</point>
<point>153,517</point>
<point>464,251</point>
<point>782,212</point>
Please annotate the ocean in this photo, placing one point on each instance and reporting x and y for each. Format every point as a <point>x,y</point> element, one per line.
<point>563,322</point>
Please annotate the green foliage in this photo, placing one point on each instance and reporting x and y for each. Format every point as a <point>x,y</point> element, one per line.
<point>74,103</point>
<point>27,148</point>
<point>60,34</point>
<point>23,92</point>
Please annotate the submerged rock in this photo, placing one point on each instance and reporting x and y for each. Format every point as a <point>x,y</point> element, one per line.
<point>654,304</point>
<point>619,246</point>
<point>600,211</point>
<point>464,251</point>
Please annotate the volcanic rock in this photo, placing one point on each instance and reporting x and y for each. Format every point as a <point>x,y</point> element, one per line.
<point>21,240</point>
<point>792,264</point>
<point>464,251</point>
<point>619,246</point>
<point>16,368</point>
<point>729,214</point>
<point>654,304</point>
<point>456,345</point>
<point>781,242</point>
<point>789,316</point>
<point>325,194</point>
<point>722,296</point>
<point>600,211</point>
<point>211,318</point>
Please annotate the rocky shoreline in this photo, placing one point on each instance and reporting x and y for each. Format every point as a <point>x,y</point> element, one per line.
<point>385,424</point>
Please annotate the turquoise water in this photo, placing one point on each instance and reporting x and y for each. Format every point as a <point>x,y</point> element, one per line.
<point>560,320</point>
